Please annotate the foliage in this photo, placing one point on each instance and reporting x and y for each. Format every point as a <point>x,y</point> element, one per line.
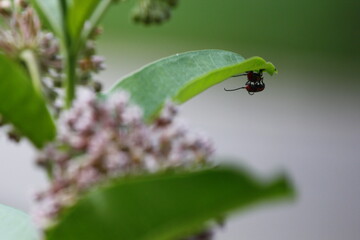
<point>139,205</point>
<point>164,206</point>
<point>183,76</point>
<point>15,225</point>
<point>22,105</point>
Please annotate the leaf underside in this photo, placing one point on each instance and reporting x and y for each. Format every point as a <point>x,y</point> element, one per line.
<point>183,76</point>
<point>15,225</point>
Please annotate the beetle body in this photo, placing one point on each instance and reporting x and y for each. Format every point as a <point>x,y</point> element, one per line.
<point>254,83</point>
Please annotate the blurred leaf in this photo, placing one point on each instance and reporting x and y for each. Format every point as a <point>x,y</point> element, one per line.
<point>79,11</point>
<point>22,106</point>
<point>164,206</point>
<point>50,12</point>
<point>183,76</point>
<point>15,225</point>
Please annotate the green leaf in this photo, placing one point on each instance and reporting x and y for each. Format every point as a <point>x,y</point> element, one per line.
<point>15,225</point>
<point>79,11</point>
<point>51,14</point>
<point>22,106</point>
<point>164,206</point>
<point>182,76</point>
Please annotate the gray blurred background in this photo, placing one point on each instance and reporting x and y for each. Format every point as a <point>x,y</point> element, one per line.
<point>306,122</point>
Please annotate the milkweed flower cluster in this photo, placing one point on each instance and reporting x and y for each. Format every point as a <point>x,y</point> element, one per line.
<point>102,139</point>
<point>21,30</point>
<point>153,11</point>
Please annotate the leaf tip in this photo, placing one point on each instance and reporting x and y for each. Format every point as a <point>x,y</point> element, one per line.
<point>271,69</point>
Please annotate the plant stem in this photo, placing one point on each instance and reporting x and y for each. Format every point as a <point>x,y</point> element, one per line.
<point>31,62</point>
<point>29,57</point>
<point>71,48</point>
<point>70,64</point>
<point>69,59</point>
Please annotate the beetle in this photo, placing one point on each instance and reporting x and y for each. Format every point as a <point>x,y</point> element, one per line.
<point>254,84</point>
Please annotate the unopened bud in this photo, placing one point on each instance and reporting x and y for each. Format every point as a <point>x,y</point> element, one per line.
<point>5,8</point>
<point>153,11</point>
<point>97,86</point>
<point>96,33</point>
<point>14,135</point>
<point>21,3</point>
<point>173,3</point>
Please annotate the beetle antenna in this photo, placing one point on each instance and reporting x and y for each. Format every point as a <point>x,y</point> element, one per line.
<point>228,90</point>
<point>238,75</point>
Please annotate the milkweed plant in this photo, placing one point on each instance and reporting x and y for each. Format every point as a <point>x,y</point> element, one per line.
<point>120,163</point>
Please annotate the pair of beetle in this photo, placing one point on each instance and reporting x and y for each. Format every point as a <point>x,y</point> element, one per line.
<point>254,84</point>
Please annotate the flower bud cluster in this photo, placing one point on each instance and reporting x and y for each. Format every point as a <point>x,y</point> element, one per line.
<point>90,63</point>
<point>102,139</point>
<point>153,11</point>
<point>7,7</point>
<point>22,30</point>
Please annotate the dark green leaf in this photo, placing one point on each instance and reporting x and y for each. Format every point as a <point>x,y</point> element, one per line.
<point>182,76</point>
<point>21,105</point>
<point>164,206</point>
<point>15,225</point>
<point>79,11</point>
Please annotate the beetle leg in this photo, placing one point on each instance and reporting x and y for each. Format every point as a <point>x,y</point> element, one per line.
<point>228,90</point>
<point>238,75</point>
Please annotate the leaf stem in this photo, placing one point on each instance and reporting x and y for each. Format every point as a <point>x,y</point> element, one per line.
<point>71,48</point>
<point>95,18</point>
<point>69,59</point>
<point>29,57</point>
<point>31,62</point>
<point>70,78</point>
